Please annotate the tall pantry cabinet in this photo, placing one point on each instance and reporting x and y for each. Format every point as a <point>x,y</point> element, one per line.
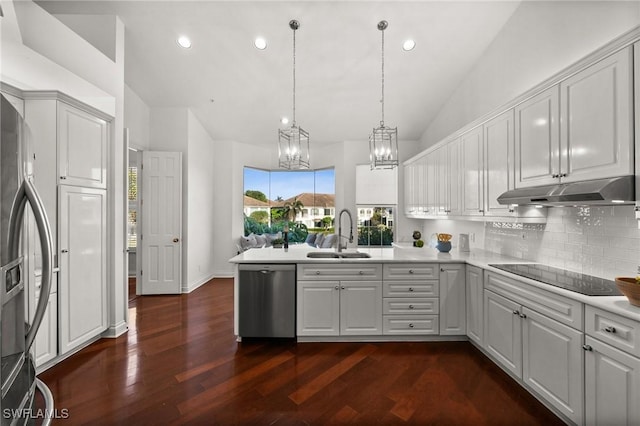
<point>69,142</point>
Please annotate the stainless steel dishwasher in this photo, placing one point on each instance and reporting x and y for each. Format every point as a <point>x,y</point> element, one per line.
<point>267,300</point>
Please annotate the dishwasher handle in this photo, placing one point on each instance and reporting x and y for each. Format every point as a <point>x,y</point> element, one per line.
<point>266,268</point>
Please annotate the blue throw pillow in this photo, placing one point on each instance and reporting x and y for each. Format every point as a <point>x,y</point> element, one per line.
<point>311,239</point>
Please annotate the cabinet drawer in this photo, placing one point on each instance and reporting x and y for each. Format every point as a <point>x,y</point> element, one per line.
<point>350,272</point>
<point>397,305</point>
<point>425,288</point>
<point>623,333</point>
<point>402,324</point>
<point>411,271</point>
<point>560,308</point>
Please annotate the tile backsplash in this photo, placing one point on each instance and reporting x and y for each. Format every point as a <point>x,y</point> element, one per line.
<point>601,241</point>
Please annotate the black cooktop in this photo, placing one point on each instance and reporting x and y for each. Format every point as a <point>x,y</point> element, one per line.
<point>573,281</point>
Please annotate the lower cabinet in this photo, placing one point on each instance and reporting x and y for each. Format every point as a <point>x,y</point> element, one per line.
<point>45,346</point>
<point>543,353</point>
<point>453,315</point>
<point>612,369</point>
<point>339,308</point>
<point>475,290</point>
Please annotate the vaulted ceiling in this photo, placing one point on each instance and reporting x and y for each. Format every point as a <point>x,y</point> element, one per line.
<point>241,93</point>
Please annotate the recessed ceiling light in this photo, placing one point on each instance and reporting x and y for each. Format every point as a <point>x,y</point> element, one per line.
<point>284,120</point>
<point>184,42</point>
<point>408,45</point>
<point>260,43</point>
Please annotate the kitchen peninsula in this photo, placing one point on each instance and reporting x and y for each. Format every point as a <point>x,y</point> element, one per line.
<point>568,349</point>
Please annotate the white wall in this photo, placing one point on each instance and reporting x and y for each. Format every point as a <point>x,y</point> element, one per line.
<point>137,118</point>
<point>202,212</point>
<point>540,39</point>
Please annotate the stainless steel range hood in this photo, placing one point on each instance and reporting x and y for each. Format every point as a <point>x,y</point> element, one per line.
<point>619,190</point>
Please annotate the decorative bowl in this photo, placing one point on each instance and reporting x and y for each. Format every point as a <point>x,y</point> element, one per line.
<point>630,288</point>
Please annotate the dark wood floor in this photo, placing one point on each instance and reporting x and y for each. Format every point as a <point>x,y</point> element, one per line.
<point>180,364</point>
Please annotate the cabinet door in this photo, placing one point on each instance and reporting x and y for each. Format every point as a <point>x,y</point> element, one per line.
<point>455,181</point>
<point>421,186</point>
<point>612,385</point>
<point>361,308</point>
<point>82,259</point>
<point>45,346</point>
<point>409,188</point>
<point>475,288</point>
<point>318,308</point>
<point>452,300</point>
<point>597,120</point>
<point>82,148</point>
<point>442,181</point>
<point>431,169</point>
<point>503,332</point>
<point>498,162</point>
<point>471,153</point>
<point>553,363</point>
<point>537,140</point>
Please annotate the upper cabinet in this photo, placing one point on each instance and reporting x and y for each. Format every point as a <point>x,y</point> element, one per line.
<point>596,121</point>
<point>472,172</point>
<point>498,162</point>
<point>82,148</point>
<point>537,139</point>
<point>580,129</point>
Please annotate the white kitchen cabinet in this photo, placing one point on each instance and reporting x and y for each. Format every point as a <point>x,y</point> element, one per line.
<point>612,385</point>
<point>472,172</point>
<point>502,332</point>
<point>83,139</point>
<point>498,163</point>
<point>612,368</point>
<point>341,299</point>
<point>410,299</point>
<point>452,300</point>
<point>474,305</point>
<point>442,180</point>
<point>431,184</point>
<point>45,346</point>
<point>537,139</point>
<point>552,362</point>
<point>536,336</point>
<point>597,120</point>
<point>580,129</point>
<point>82,246</point>
<point>409,185</point>
<point>318,308</point>
<point>454,179</point>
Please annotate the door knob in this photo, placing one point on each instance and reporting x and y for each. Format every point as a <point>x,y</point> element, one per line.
<point>175,240</point>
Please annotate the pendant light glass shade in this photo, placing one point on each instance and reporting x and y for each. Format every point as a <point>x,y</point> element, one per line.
<point>383,141</point>
<point>293,142</point>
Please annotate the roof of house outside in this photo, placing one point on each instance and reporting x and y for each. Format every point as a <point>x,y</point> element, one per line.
<point>252,202</point>
<point>309,199</point>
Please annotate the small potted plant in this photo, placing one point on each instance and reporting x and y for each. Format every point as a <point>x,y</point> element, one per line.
<point>277,243</point>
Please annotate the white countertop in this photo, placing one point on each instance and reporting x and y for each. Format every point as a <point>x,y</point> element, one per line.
<point>480,258</point>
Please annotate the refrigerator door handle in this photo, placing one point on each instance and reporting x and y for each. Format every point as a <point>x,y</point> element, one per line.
<point>28,193</point>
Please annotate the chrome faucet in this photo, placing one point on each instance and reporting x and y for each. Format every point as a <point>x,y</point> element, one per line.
<point>340,237</point>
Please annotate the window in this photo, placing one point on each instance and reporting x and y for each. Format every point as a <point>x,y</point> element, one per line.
<point>273,198</point>
<point>132,195</point>
<point>376,200</point>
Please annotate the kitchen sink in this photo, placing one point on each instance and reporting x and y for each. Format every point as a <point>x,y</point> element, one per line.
<point>336,255</point>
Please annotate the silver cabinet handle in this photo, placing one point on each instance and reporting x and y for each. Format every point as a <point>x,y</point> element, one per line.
<point>342,288</point>
<point>587,348</point>
<point>516,312</point>
<point>410,325</point>
<point>337,288</point>
<point>28,193</point>
<point>609,329</point>
<point>410,288</point>
<point>317,272</point>
<point>411,271</point>
<point>523,316</point>
<point>64,251</point>
<point>555,175</point>
<point>361,272</point>
<point>410,306</point>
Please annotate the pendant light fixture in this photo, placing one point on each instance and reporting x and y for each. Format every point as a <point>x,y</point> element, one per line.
<point>293,142</point>
<point>383,142</point>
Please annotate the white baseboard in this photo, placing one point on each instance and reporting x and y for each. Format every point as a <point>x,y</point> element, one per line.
<point>197,284</point>
<point>116,330</point>
<point>223,274</point>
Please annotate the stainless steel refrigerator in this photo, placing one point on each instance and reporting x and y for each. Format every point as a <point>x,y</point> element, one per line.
<point>17,335</point>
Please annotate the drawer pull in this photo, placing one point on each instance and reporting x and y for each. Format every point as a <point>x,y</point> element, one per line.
<point>523,316</point>
<point>609,329</point>
<point>516,312</point>
<point>410,325</point>
<point>410,288</point>
<point>410,306</point>
<point>361,272</point>
<point>411,271</point>
<point>317,272</point>
<point>587,348</point>
<point>342,288</point>
<point>337,288</point>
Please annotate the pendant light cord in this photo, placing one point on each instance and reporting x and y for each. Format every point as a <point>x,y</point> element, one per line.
<point>382,99</point>
<point>294,78</point>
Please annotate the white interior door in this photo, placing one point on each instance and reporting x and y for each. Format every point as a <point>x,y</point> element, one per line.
<point>161,238</point>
